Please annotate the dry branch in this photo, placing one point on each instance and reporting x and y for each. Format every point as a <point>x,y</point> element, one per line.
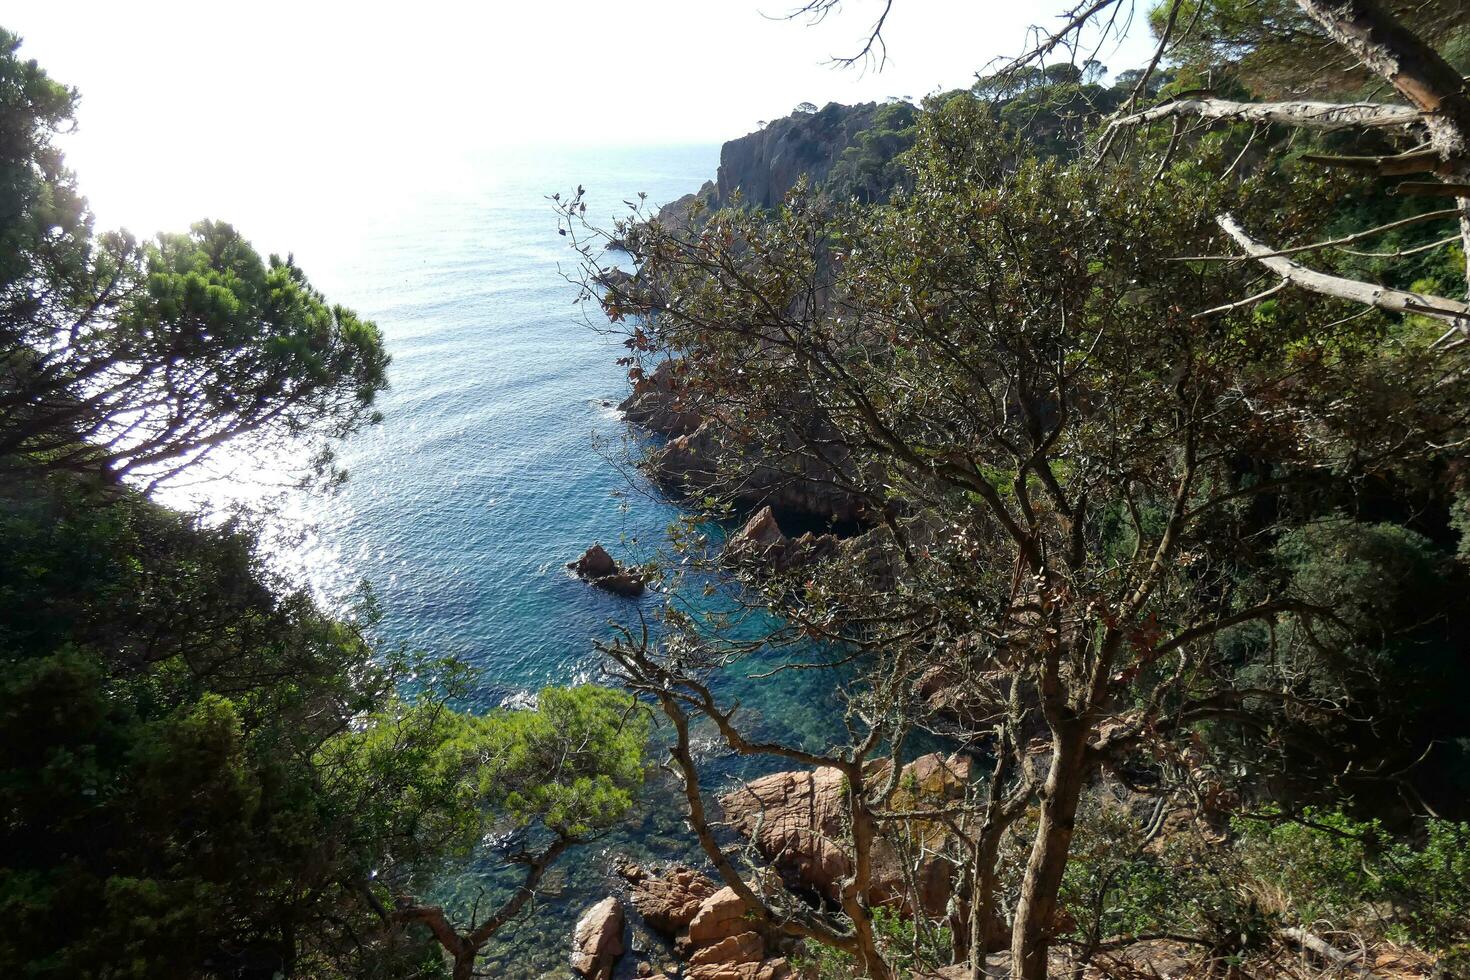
<point>1353,290</point>
<point>1326,116</point>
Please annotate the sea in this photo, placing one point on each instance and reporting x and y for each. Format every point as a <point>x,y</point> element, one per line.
<point>501,456</point>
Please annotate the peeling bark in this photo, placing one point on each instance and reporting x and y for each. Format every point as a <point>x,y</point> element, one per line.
<point>1324,116</point>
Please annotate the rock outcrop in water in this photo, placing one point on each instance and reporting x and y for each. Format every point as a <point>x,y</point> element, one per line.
<point>762,547</point>
<point>659,402</point>
<point>599,568</point>
<point>597,942</point>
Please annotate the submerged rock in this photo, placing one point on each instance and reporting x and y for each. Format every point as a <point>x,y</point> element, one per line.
<point>597,941</point>
<point>599,568</point>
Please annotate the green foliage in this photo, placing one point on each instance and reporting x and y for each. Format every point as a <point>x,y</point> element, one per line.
<point>872,167</point>
<point>572,765</point>
<point>1120,883</point>
<point>202,772</point>
<point>1331,868</point>
<point>145,358</point>
<point>211,763</point>
<point>911,948</point>
<point>1277,50</point>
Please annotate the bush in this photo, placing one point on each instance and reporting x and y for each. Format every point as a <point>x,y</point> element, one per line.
<point>1330,868</point>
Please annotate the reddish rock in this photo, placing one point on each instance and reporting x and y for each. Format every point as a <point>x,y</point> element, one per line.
<point>747,947</point>
<point>599,568</point>
<point>720,916</point>
<point>668,902</point>
<point>597,942</point>
<point>594,563</point>
<point>801,817</point>
<point>797,820</point>
<point>777,969</point>
<point>763,547</point>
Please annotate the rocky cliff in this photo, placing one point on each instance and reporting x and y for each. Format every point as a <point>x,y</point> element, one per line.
<point>764,165</point>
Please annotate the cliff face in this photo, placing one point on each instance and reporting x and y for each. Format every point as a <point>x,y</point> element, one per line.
<point>764,165</point>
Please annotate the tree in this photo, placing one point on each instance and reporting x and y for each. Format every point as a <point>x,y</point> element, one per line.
<point>806,108</point>
<point>144,359</point>
<point>1068,472</point>
<point>552,777</point>
<point>202,771</point>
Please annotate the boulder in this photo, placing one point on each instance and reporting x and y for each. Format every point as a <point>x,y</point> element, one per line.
<point>594,563</point>
<point>746,947</point>
<point>797,820</point>
<point>597,942</point>
<point>762,547</point>
<point>598,567</point>
<point>668,902</point>
<point>720,916</point>
<point>777,969</point>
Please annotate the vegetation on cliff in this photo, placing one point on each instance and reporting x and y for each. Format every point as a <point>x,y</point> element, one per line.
<point>202,771</point>
<point>1155,454</point>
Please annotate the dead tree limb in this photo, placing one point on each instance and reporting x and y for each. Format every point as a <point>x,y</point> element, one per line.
<point>1396,165</point>
<point>1324,116</point>
<point>1406,61</point>
<point>1370,294</point>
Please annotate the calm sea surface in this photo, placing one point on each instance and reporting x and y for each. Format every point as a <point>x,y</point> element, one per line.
<point>490,472</point>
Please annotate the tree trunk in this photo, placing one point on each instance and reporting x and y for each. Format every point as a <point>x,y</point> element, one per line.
<point>855,891</point>
<point>1404,60</point>
<point>464,965</point>
<point>1037,907</point>
<point>987,929</point>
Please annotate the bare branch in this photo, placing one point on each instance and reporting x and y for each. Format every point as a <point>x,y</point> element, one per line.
<point>1369,294</point>
<point>1323,116</point>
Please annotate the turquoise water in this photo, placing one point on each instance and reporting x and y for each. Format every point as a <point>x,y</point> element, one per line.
<point>482,482</point>
<point>490,472</point>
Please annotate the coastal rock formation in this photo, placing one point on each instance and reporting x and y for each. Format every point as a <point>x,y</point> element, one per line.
<point>670,901</point>
<point>763,166</point>
<point>786,479</point>
<point>719,916</point>
<point>725,946</point>
<point>614,278</point>
<point>675,214</point>
<point>796,821</point>
<point>761,546</point>
<point>745,947</point>
<point>659,403</point>
<point>597,942</point>
<point>776,969</point>
<point>599,568</point>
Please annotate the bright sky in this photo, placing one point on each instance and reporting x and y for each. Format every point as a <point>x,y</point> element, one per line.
<point>191,107</point>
